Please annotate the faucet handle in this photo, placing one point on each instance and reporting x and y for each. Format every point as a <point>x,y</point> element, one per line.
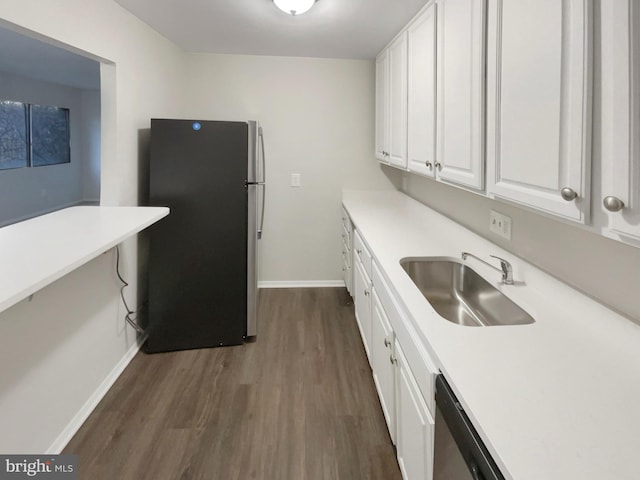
<point>507,270</point>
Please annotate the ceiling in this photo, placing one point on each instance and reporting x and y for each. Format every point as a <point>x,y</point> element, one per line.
<point>356,29</point>
<point>27,57</point>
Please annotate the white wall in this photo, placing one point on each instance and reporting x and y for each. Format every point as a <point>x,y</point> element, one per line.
<point>90,146</point>
<point>318,120</point>
<point>26,192</point>
<point>56,350</point>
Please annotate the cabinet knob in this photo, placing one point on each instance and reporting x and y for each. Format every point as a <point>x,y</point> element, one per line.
<point>366,293</point>
<point>568,194</point>
<point>386,342</point>
<point>438,165</point>
<point>613,204</point>
<point>428,164</point>
<point>393,359</point>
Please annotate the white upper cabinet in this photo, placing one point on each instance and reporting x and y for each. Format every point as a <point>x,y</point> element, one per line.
<point>421,126</point>
<point>460,87</point>
<point>538,99</point>
<point>382,105</point>
<point>621,117</point>
<point>398,101</point>
<point>391,103</point>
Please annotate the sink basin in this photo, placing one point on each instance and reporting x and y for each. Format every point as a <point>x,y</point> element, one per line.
<point>462,296</point>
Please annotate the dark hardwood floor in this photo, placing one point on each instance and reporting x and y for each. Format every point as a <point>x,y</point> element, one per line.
<point>299,403</point>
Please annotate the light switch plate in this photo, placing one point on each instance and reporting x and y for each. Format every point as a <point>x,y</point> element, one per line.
<point>500,224</point>
<point>295,179</point>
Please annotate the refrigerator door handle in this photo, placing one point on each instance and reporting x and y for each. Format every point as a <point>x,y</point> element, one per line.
<point>262,183</point>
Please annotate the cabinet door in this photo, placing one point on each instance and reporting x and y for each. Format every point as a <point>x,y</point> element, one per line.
<point>381,365</point>
<point>621,115</point>
<point>382,105</point>
<point>346,269</point>
<point>539,114</point>
<point>398,101</point>
<point>415,425</point>
<point>460,125</point>
<point>421,126</point>
<point>362,301</point>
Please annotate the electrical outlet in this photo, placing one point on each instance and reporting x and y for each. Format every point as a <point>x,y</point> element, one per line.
<point>295,179</point>
<point>500,224</point>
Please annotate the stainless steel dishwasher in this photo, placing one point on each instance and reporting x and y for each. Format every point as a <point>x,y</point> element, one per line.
<point>460,454</point>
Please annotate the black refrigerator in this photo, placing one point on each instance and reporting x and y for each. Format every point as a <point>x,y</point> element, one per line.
<point>202,257</point>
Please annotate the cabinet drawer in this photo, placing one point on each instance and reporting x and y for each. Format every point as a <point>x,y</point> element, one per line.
<point>346,237</point>
<point>346,258</point>
<point>346,254</point>
<point>346,221</point>
<point>362,252</point>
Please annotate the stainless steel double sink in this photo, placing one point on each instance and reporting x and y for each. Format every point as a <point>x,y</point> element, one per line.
<point>462,296</point>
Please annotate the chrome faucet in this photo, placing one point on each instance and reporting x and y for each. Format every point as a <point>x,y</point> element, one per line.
<point>505,267</point>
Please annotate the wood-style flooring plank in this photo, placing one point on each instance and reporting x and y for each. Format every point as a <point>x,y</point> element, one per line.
<point>298,403</point>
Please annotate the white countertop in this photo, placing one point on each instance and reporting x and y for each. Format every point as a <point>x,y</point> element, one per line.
<point>557,399</point>
<point>36,252</point>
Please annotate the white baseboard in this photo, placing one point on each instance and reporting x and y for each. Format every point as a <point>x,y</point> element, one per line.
<point>301,284</point>
<point>79,418</point>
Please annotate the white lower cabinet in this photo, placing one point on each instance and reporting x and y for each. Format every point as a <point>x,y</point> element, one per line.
<point>415,425</point>
<point>383,369</point>
<point>362,291</point>
<point>347,256</point>
<point>408,404</point>
<point>361,299</point>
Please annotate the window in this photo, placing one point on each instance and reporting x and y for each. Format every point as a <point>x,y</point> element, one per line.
<point>13,135</point>
<point>33,135</point>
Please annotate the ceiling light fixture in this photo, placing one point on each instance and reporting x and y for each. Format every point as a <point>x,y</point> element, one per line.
<point>294,7</point>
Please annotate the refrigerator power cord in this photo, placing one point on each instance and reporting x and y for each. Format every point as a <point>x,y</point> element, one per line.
<point>128,317</point>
